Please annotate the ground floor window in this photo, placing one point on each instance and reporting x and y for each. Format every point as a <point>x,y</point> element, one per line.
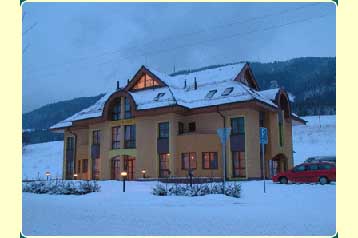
<point>95,168</point>
<point>79,166</point>
<point>188,160</point>
<point>116,168</point>
<point>210,160</point>
<point>238,162</point>
<point>84,166</point>
<point>163,165</point>
<point>129,166</point>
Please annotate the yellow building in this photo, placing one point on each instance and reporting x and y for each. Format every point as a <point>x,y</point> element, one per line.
<point>167,125</point>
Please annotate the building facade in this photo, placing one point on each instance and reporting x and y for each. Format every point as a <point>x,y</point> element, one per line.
<point>167,125</point>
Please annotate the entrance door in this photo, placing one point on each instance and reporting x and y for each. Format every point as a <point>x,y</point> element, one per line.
<point>163,165</point>
<point>116,168</point>
<point>129,166</point>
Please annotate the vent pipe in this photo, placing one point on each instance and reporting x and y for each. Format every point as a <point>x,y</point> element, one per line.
<point>117,85</point>
<point>195,84</point>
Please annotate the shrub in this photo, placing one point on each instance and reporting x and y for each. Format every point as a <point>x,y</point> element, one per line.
<point>61,187</point>
<point>231,189</point>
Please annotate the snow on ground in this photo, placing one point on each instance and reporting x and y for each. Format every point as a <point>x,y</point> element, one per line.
<point>37,159</point>
<point>284,210</point>
<point>316,138</point>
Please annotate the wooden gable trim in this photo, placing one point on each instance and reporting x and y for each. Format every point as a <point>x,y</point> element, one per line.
<point>143,70</point>
<point>283,93</point>
<point>246,70</point>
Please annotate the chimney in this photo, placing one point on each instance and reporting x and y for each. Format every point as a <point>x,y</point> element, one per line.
<point>117,85</point>
<point>185,84</point>
<point>195,84</point>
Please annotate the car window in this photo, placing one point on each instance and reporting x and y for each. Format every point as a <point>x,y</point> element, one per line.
<point>299,168</point>
<point>325,166</point>
<point>313,167</point>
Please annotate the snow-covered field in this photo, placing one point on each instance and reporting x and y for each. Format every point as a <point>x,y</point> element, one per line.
<point>316,138</point>
<point>284,210</point>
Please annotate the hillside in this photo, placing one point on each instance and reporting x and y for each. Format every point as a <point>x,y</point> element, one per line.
<point>312,80</point>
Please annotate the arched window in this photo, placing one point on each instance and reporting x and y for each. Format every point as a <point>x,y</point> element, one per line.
<point>116,111</point>
<point>127,108</point>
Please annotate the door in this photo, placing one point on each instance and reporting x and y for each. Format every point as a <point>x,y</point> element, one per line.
<point>238,164</point>
<point>116,168</point>
<point>129,166</point>
<point>163,165</point>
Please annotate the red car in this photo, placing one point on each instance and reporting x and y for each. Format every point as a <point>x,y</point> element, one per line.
<point>322,172</point>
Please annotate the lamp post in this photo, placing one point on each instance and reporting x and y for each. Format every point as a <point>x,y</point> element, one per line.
<point>124,175</point>
<point>48,174</point>
<point>143,172</point>
<point>75,176</point>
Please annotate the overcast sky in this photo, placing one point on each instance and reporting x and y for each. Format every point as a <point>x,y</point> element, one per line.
<point>82,49</point>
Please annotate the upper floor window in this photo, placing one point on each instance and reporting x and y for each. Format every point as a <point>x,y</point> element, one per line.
<point>145,82</point>
<point>192,126</point>
<point>96,137</point>
<point>129,136</point>
<point>237,126</point>
<point>70,143</point>
<point>180,128</point>
<point>116,112</point>
<point>116,137</point>
<point>127,109</point>
<point>280,126</point>
<point>163,130</point>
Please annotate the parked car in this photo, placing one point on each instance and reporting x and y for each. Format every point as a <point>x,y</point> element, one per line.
<point>321,159</point>
<point>322,172</point>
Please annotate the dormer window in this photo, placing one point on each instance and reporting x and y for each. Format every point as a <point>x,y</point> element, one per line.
<point>116,112</point>
<point>211,93</point>
<point>227,91</point>
<point>145,81</point>
<point>127,109</point>
<point>159,95</point>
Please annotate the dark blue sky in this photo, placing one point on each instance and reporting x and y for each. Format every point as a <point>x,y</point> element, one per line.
<point>82,49</point>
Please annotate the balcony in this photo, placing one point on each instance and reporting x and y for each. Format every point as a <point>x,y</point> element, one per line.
<point>200,131</point>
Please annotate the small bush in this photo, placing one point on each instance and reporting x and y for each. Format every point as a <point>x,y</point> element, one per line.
<point>231,189</point>
<point>61,187</point>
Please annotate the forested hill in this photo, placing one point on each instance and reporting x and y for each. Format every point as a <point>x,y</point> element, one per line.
<point>312,80</point>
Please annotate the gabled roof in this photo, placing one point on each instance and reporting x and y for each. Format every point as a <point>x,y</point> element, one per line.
<point>180,90</point>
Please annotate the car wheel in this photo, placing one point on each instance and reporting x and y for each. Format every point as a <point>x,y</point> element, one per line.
<point>323,180</point>
<point>283,180</point>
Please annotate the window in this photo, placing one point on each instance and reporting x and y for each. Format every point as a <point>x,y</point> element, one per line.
<point>325,167</point>
<point>211,93</point>
<point>192,127</point>
<point>116,168</point>
<point>96,137</point>
<point>95,168</point>
<point>70,143</point>
<point>164,165</point>
<point>79,166</point>
<point>116,112</point>
<point>227,91</point>
<point>145,81</point>
<point>280,126</point>
<point>238,159</point>
<point>116,137</point>
<point>188,160</point>
<point>159,95</point>
<point>210,160</point>
<point>127,109</point>
<point>163,130</point>
<point>262,119</point>
<point>129,136</point>
<point>299,168</point>
<point>84,166</point>
<point>180,128</point>
<point>237,126</point>
<point>313,167</point>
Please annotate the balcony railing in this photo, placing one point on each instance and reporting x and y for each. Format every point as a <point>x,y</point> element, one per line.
<point>201,131</point>
<point>129,144</point>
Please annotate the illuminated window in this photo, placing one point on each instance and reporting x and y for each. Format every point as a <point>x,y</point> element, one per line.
<point>238,162</point>
<point>188,160</point>
<point>210,160</point>
<point>145,82</point>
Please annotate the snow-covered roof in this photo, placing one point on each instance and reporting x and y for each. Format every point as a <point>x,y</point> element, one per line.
<point>179,90</point>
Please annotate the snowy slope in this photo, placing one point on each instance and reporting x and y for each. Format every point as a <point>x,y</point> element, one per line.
<point>318,137</point>
<point>39,158</point>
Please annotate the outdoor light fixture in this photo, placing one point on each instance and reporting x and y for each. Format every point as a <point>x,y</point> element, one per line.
<point>143,172</point>
<point>75,176</point>
<point>48,174</point>
<point>124,175</point>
